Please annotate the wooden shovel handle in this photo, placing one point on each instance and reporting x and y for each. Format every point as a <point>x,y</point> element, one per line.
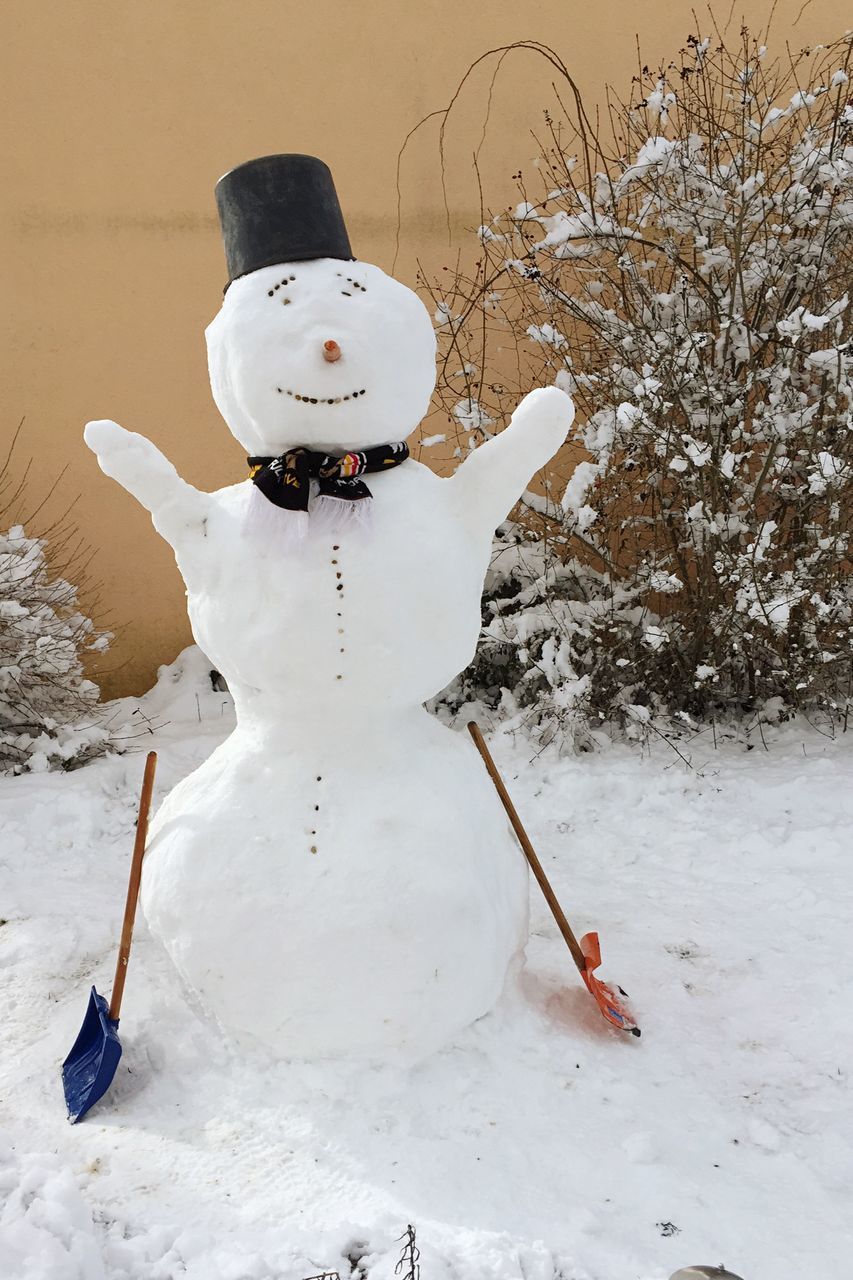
<point>535,865</point>
<point>133,886</point>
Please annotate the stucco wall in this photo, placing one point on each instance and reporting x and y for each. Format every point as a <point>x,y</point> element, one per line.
<point>121,117</point>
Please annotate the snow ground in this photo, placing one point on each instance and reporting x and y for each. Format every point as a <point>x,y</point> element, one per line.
<point>543,1144</point>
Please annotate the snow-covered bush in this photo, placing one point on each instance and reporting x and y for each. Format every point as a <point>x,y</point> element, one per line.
<point>690,283</point>
<point>48,713</point>
<point>557,637</point>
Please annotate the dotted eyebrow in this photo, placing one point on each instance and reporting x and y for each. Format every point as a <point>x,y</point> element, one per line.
<point>355,284</point>
<point>286,280</point>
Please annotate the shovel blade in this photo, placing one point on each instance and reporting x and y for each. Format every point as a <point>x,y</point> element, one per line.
<point>88,1070</point>
<point>704,1273</point>
<point>613,1006</point>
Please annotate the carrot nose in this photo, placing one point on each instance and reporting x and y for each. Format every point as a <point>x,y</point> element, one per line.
<point>331,351</point>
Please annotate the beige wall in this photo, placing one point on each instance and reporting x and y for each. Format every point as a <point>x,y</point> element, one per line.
<point>120,118</point>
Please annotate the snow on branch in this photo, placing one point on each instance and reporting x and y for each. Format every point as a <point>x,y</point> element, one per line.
<point>686,274</point>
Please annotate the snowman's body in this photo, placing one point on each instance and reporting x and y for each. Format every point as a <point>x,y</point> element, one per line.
<point>338,878</point>
<point>375,617</point>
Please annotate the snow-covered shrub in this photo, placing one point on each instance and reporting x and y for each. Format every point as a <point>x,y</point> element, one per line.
<point>690,283</point>
<point>557,636</point>
<point>48,714</point>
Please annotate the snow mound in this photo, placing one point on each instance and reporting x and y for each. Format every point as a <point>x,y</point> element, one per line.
<point>46,1228</point>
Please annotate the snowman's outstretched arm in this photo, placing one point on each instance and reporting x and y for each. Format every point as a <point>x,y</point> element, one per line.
<point>139,466</point>
<point>493,478</point>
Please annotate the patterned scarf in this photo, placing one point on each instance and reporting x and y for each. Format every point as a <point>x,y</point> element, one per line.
<point>285,480</point>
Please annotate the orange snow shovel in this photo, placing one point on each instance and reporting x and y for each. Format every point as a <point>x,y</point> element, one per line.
<point>586,953</point>
<point>88,1070</point>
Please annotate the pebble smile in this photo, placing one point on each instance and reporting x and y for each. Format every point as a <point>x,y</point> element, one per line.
<point>353,395</point>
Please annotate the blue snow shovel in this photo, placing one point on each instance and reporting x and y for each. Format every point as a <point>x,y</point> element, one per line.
<point>88,1070</point>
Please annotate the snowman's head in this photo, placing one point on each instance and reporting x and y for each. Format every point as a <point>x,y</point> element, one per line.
<point>328,354</point>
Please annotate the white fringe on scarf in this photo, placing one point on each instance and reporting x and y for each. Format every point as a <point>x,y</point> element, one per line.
<point>289,529</point>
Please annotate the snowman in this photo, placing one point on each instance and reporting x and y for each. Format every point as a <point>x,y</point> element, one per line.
<point>338,879</point>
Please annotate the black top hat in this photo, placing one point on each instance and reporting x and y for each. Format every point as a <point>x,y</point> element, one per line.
<point>280,209</point>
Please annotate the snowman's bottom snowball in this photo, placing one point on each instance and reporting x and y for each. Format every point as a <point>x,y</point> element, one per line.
<point>393,936</point>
